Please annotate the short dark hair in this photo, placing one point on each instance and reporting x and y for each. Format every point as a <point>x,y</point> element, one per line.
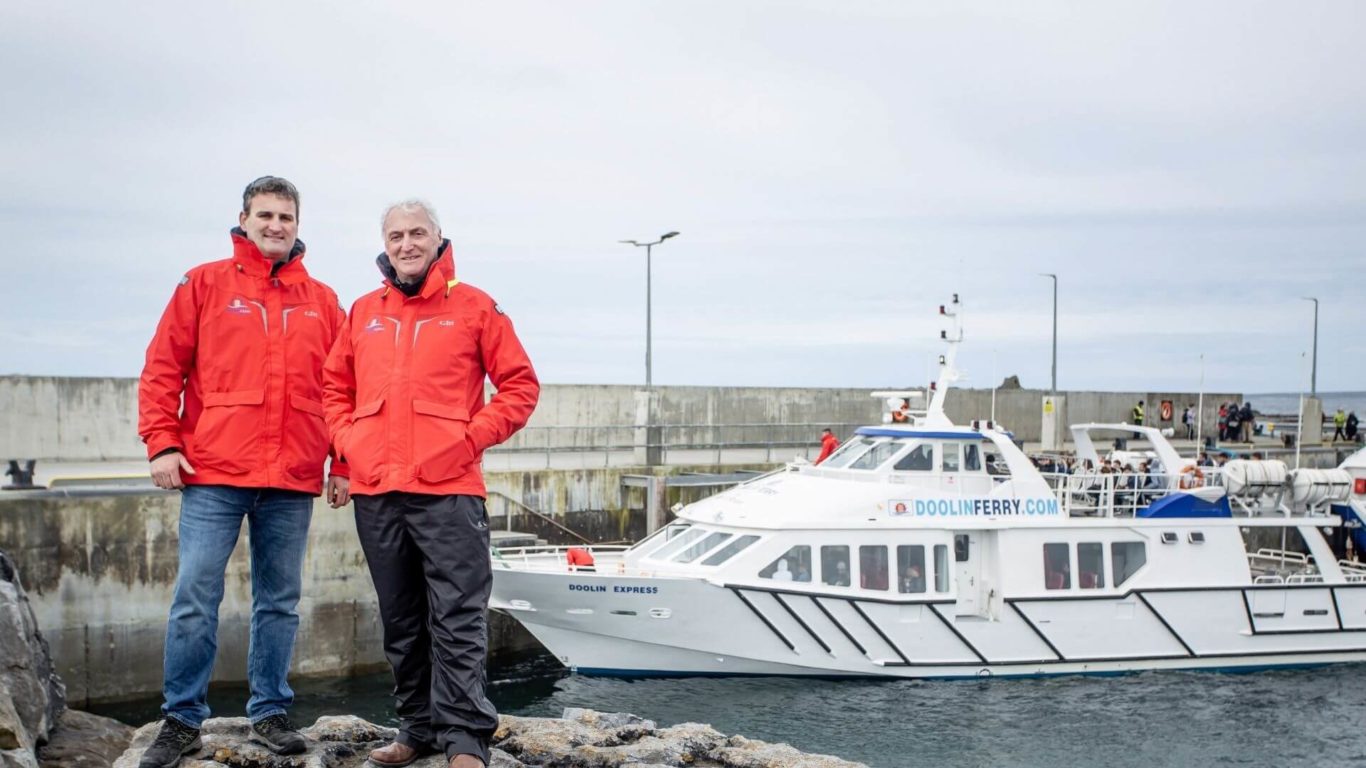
<point>270,185</point>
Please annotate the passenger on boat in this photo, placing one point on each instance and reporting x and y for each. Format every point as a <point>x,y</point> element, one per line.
<point>803,572</point>
<point>828,445</point>
<point>913,581</point>
<point>840,578</point>
<point>782,574</point>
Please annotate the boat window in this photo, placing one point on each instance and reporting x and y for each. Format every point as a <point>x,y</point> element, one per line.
<point>1126,557</point>
<point>680,541</point>
<point>941,568</point>
<point>949,452</point>
<point>919,459</point>
<point>1091,565</point>
<point>835,565</point>
<point>996,464</point>
<point>872,567</point>
<point>662,536</point>
<point>704,546</point>
<point>1056,567</point>
<point>874,458</point>
<point>848,452</point>
<point>910,565</point>
<point>972,460</point>
<point>730,550</point>
<point>961,553</point>
<point>794,565</point>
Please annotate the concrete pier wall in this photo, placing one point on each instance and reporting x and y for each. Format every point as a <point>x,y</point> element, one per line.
<point>95,419</point>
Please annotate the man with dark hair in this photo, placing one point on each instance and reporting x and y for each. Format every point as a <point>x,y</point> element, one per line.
<point>229,405</point>
<point>405,405</point>
<point>1136,414</point>
<point>828,445</point>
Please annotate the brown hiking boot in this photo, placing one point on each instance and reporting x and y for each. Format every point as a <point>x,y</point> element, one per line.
<point>394,755</point>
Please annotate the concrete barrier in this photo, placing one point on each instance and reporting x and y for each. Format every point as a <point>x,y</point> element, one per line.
<point>95,419</point>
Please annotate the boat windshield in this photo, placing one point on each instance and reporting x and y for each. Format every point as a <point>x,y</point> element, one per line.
<point>663,536</point>
<point>879,454</point>
<point>851,450</point>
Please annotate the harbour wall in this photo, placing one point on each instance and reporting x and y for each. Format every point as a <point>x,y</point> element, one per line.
<point>95,419</point>
<point>100,569</point>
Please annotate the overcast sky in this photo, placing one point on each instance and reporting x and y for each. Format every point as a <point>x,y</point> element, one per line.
<point>837,169</point>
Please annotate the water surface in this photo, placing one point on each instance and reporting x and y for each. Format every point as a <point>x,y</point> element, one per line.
<point>1311,717</point>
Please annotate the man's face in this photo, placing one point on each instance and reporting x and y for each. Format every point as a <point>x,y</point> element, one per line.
<point>410,242</point>
<point>272,222</point>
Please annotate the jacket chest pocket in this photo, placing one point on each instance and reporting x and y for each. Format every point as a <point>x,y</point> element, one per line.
<point>440,450</point>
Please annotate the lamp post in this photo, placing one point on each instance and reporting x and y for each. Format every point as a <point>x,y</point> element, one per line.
<point>649,383</point>
<point>1054,389</point>
<point>1314,361</point>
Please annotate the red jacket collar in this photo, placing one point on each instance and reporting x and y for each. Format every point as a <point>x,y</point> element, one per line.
<point>251,261</point>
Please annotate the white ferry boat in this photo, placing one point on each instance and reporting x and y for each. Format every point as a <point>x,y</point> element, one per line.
<point>925,549</point>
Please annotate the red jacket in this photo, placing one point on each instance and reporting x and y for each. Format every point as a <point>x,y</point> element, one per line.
<point>404,385</point>
<point>828,445</point>
<point>246,350</point>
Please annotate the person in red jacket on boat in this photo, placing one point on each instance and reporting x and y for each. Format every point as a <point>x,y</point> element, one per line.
<point>404,397</point>
<point>828,445</point>
<point>230,407</point>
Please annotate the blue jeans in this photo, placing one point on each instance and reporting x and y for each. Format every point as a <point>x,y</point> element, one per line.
<point>210,520</point>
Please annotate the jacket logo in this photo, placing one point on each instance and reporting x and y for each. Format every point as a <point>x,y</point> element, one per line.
<point>446,323</point>
<point>238,307</point>
<point>310,313</point>
<point>373,326</point>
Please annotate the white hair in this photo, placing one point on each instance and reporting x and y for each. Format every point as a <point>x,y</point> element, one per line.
<point>412,205</point>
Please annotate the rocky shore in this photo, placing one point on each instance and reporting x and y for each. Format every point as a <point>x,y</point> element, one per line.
<point>580,739</point>
<point>38,731</point>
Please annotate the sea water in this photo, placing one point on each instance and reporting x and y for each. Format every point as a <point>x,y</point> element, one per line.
<point>1301,717</point>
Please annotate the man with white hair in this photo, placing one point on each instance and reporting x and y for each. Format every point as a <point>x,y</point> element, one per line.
<point>404,398</point>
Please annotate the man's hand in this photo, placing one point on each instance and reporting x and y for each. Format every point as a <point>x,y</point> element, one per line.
<point>166,470</point>
<point>338,491</point>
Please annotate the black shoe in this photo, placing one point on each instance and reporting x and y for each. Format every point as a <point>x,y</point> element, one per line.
<point>174,741</point>
<point>278,735</point>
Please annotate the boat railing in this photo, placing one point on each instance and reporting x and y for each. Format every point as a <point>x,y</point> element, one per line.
<point>608,559</point>
<point>1354,571</point>
<point>1122,494</point>
<point>1277,566</point>
<point>553,557</point>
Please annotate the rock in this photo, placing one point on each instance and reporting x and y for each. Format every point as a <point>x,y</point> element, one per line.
<point>83,740</point>
<point>34,695</point>
<point>1010,382</point>
<point>582,739</point>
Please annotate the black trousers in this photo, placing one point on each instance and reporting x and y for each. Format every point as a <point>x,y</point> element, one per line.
<point>429,560</point>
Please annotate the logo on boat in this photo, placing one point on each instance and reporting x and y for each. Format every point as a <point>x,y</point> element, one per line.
<point>973,507</point>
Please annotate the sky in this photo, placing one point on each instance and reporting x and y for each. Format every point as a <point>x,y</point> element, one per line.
<point>1189,170</point>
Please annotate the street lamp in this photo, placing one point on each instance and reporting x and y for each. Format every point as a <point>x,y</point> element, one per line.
<point>1314,364</point>
<point>1055,329</point>
<point>649,384</point>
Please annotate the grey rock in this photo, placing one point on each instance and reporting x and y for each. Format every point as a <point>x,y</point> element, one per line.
<point>34,693</point>
<point>586,739</point>
<point>605,719</point>
<point>17,758</point>
<point>83,740</point>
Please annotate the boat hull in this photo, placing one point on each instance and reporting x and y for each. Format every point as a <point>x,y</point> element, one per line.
<point>657,626</point>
